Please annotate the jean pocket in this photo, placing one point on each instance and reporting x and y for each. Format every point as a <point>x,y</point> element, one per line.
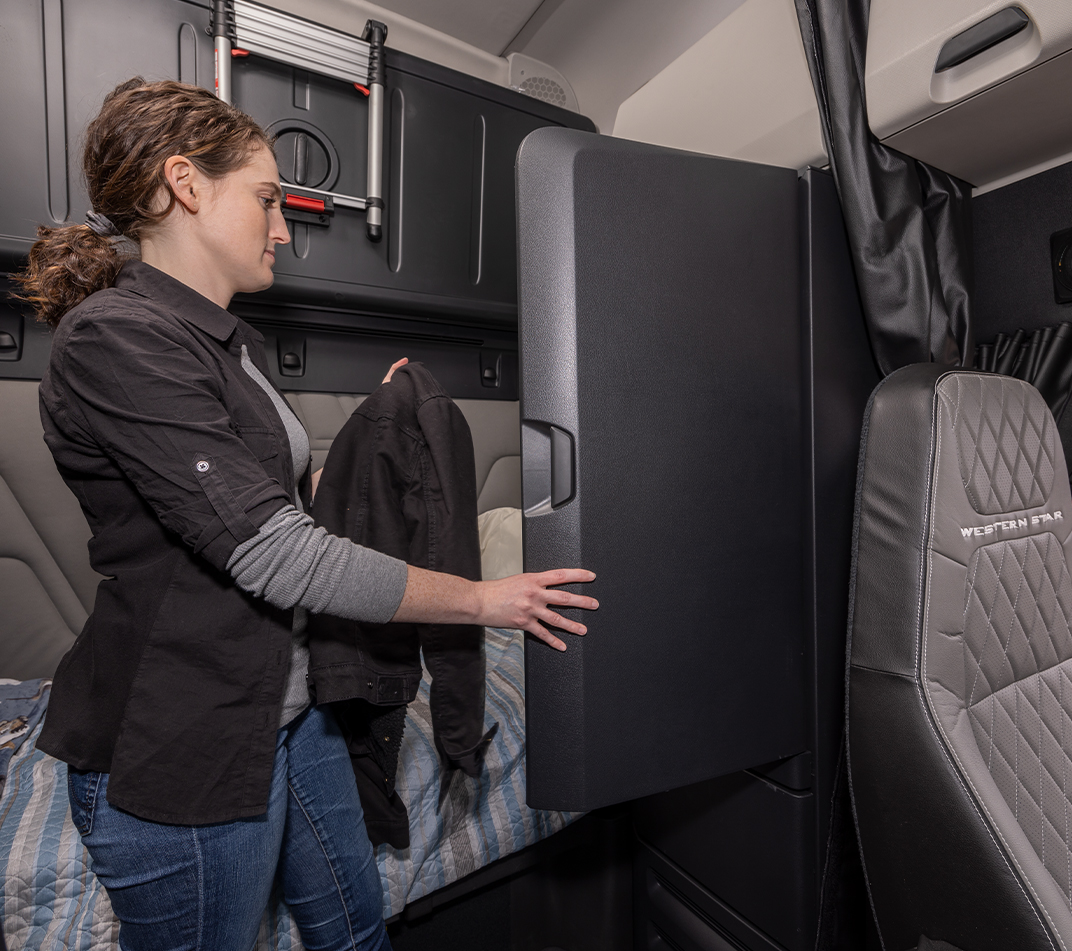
<point>82,788</point>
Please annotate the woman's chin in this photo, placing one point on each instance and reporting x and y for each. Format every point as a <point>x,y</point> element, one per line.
<point>265,281</point>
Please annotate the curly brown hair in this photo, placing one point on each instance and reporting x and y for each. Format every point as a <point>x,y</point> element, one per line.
<point>141,124</point>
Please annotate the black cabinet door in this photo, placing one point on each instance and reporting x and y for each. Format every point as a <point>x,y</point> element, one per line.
<point>58,59</point>
<point>659,303</point>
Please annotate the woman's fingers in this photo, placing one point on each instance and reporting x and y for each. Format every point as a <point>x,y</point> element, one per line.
<point>545,635</point>
<point>557,620</point>
<point>395,366</point>
<point>558,576</point>
<point>568,600</point>
<point>530,602</point>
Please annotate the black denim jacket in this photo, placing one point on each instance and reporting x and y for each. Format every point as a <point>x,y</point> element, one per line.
<point>400,478</point>
<point>174,685</point>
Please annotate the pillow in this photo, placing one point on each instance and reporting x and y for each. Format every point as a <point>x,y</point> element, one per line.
<point>500,543</point>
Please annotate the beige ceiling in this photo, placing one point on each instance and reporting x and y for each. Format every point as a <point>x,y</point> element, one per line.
<point>489,26</point>
<point>606,49</point>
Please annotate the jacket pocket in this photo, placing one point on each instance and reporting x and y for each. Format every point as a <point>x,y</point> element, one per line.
<point>82,789</point>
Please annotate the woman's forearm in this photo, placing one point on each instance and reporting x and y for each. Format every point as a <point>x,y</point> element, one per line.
<point>432,597</point>
<point>526,601</point>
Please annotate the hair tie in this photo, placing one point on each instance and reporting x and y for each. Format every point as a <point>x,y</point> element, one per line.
<point>105,227</point>
<point>102,225</point>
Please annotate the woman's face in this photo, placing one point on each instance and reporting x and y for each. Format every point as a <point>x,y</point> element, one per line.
<point>243,224</point>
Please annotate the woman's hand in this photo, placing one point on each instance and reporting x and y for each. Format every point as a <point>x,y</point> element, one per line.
<point>395,366</point>
<point>522,601</point>
<point>525,601</point>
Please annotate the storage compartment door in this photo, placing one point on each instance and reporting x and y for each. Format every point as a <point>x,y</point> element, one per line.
<point>661,441</point>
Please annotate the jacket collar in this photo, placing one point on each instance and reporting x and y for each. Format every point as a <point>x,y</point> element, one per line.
<point>145,280</point>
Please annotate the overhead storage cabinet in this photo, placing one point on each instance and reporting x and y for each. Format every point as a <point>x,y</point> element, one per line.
<point>978,89</point>
<point>448,248</point>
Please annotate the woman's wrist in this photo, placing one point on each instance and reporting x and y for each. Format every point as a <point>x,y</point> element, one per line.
<point>432,597</point>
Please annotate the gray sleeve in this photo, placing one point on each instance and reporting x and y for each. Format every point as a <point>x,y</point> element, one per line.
<point>290,562</point>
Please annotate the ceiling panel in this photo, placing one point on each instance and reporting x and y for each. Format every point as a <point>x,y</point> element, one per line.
<point>608,49</point>
<point>487,26</point>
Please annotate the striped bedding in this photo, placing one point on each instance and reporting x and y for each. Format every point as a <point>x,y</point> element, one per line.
<point>50,900</point>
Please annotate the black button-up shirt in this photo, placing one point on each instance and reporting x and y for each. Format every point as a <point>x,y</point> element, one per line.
<point>174,685</point>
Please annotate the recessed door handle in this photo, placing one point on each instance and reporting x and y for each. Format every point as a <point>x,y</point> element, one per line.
<point>547,467</point>
<point>995,29</point>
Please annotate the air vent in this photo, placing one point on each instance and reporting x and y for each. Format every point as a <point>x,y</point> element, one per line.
<point>540,81</point>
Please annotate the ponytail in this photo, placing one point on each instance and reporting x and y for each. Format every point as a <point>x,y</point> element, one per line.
<point>66,265</point>
<point>138,128</point>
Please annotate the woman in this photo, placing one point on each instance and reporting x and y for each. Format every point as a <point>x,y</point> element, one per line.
<point>197,765</point>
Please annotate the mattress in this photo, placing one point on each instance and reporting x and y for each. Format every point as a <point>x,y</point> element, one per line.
<point>50,899</point>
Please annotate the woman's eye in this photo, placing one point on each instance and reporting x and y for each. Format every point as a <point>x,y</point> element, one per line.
<point>268,202</point>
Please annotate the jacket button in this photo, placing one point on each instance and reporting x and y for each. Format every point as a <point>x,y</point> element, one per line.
<point>201,466</point>
<point>370,684</point>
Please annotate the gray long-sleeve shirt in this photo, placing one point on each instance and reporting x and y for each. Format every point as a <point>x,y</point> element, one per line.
<point>292,564</point>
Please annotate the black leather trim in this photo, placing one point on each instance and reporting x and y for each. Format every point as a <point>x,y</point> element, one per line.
<point>891,519</point>
<point>933,867</point>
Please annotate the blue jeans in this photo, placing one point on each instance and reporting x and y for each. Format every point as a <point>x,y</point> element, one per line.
<point>205,888</point>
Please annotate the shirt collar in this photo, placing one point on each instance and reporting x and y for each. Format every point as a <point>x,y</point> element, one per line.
<point>183,300</point>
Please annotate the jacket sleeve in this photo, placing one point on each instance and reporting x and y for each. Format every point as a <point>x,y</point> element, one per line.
<point>128,385</point>
<point>454,653</point>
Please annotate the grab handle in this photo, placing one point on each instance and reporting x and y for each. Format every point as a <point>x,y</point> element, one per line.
<point>547,467</point>
<point>976,39</point>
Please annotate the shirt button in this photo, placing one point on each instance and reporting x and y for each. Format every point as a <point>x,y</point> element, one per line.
<point>202,466</point>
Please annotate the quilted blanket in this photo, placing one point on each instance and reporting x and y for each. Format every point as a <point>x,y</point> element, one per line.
<point>51,901</point>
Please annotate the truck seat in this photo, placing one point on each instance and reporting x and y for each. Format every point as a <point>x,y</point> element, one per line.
<point>47,587</point>
<point>960,664</point>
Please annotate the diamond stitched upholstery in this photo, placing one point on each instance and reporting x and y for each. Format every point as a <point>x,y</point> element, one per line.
<point>1019,682</point>
<point>1006,443</point>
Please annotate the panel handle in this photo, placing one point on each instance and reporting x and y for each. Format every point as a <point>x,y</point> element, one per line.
<point>976,39</point>
<point>547,467</point>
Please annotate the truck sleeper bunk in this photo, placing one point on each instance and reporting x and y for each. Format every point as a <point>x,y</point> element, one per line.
<point>663,358</point>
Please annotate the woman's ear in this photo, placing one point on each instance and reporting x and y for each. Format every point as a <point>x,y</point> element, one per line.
<point>185,180</point>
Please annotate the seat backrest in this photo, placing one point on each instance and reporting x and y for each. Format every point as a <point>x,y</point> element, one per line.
<point>960,664</point>
<point>47,587</point>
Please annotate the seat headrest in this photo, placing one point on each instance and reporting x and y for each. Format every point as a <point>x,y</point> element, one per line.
<point>1006,440</point>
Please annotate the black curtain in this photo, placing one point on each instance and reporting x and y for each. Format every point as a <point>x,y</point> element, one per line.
<point>909,224</point>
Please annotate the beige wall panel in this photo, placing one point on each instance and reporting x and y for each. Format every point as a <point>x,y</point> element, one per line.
<point>743,91</point>
<point>1021,123</point>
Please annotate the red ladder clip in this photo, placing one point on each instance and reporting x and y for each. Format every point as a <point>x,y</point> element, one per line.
<point>301,203</point>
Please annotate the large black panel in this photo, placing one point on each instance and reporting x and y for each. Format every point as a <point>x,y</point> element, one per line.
<point>756,848</point>
<point>660,337</point>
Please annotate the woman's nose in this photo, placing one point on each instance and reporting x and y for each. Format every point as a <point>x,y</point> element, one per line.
<point>278,231</point>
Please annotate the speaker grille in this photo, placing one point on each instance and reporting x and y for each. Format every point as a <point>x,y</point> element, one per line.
<point>542,87</point>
